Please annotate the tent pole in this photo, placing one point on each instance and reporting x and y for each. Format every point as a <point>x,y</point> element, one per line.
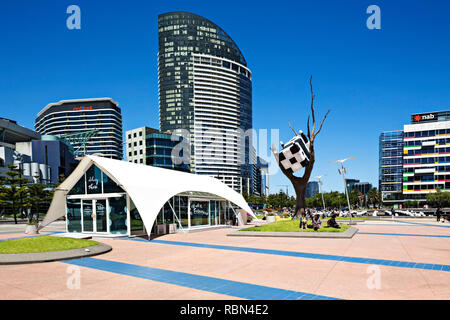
<point>182,229</point>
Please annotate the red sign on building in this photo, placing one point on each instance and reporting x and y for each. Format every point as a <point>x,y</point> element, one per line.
<point>82,108</point>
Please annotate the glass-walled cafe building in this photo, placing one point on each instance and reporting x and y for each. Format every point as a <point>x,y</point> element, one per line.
<point>117,198</point>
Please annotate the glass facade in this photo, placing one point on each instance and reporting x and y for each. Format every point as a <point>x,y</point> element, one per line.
<point>391,165</point>
<point>205,87</point>
<point>118,215</point>
<point>159,147</point>
<point>104,211</point>
<point>137,225</point>
<point>73,215</point>
<point>154,148</point>
<point>100,216</point>
<point>312,188</point>
<point>200,213</point>
<point>180,34</point>
<point>88,216</point>
<point>193,211</point>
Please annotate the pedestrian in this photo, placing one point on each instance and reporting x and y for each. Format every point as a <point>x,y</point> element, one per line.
<point>438,213</point>
<point>317,223</point>
<point>332,222</point>
<point>304,222</point>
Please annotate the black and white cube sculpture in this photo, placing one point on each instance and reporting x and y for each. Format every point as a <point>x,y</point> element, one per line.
<point>295,154</point>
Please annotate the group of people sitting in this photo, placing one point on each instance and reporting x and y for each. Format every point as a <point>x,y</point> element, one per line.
<point>316,221</point>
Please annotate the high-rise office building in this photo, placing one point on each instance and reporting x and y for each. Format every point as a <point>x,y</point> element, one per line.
<point>363,187</point>
<point>262,177</point>
<point>391,166</point>
<point>205,88</point>
<point>426,157</point>
<point>69,117</point>
<point>350,183</point>
<point>312,188</point>
<point>154,148</point>
<point>414,161</point>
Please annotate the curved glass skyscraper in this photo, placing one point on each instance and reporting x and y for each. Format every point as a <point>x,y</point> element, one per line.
<point>205,87</point>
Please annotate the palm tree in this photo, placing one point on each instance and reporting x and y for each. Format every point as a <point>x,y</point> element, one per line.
<point>373,196</point>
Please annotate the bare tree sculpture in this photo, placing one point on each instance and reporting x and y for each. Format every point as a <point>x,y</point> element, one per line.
<point>299,183</point>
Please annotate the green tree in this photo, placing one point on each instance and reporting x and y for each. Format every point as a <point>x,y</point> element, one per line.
<point>355,197</point>
<point>37,197</point>
<point>2,202</point>
<point>245,195</point>
<point>14,191</point>
<point>439,198</point>
<point>373,197</point>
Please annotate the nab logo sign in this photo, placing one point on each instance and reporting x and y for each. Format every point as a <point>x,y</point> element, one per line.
<point>423,117</point>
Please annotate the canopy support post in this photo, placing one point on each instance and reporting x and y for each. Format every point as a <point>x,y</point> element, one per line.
<point>237,217</point>
<point>176,217</point>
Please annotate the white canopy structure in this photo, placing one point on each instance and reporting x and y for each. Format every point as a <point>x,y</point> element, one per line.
<point>149,187</point>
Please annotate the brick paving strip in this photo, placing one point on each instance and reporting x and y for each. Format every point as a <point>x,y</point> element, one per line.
<point>307,255</point>
<point>347,234</point>
<point>405,234</point>
<point>210,284</point>
<point>27,258</point>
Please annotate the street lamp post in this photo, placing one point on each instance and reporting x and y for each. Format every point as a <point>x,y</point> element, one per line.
<point>320,189</point>
<point>343,171</point>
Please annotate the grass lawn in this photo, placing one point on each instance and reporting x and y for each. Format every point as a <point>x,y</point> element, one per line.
<point>293,226</point>
<point>43,244</point>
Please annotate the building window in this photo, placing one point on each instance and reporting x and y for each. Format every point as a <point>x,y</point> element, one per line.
<point>118,215</point>
<point>74,215</point>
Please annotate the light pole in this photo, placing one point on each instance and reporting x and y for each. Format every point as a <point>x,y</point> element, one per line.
<point>320,189</point>
<point>343,171</point>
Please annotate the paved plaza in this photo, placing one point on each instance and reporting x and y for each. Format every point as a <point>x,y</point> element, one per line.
<point>402,259</point>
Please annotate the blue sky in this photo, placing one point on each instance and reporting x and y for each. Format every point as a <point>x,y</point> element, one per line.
<point>372,80</point>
